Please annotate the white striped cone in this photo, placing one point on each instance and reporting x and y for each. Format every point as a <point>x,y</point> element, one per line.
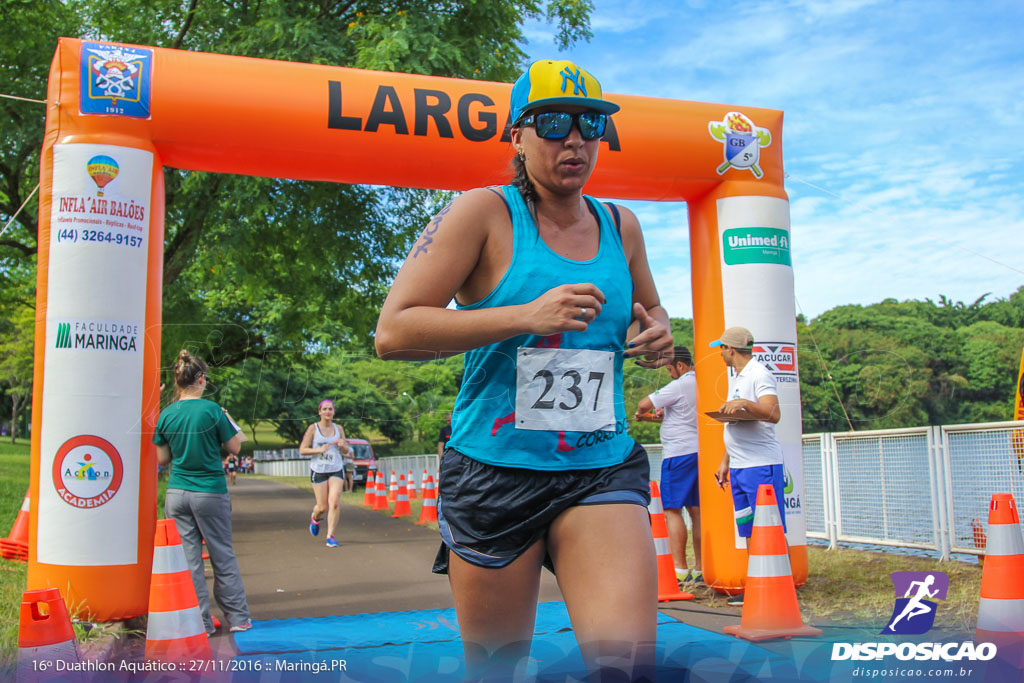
<point>175,632</point>
<point>371,489</point>
<point>15,546</point>
<point>380,499</point>
<point>668,585</point>
<point>393,489</point>
<point>1001,604</point>
<point>770,608</point>
<point>429,512</point>
<point>411,482</point>
<point>46,638</point>
<point>402,507</point>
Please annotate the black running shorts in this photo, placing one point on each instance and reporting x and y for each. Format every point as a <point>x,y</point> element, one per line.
<point>491,515</point>
<point>321,477</point>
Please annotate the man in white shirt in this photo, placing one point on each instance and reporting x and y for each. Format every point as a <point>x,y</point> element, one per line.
<point>753,455</point>
<point>675,407</point>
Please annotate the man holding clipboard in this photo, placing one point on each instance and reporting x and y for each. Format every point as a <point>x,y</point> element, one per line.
<point>753,456</point>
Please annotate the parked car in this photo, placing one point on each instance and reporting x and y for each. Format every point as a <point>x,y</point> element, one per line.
<point>362,454</point>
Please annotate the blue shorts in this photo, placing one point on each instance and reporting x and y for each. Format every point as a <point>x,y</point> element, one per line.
<point>744,482</point>
<point>491,515</point>
<point>679,482</point>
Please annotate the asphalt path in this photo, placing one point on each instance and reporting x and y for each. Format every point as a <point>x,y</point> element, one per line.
<point>382,565</point>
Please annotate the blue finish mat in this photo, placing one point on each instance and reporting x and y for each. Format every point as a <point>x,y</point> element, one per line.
<point>425,646</point>
<point>384,628</point>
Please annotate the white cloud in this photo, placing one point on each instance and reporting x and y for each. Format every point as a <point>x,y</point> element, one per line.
<point>901,133</point>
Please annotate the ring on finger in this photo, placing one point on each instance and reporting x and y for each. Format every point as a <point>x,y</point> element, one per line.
<point>583,312</point>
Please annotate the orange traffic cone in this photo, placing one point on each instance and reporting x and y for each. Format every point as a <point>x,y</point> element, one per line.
<point>380,499</point>
<point>46,636</point>
<point>770,608</point>
<point>411,481</point>
<point>402,507</point>
<point>1001,606</point>
<point>393,488</point>
<point>15,546</point>
<point>429,512</point>
<point>371,489</point>
<point>175,632</point>
<point>668,585</point>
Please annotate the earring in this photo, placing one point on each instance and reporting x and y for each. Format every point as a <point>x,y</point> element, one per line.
<point>522,155</point>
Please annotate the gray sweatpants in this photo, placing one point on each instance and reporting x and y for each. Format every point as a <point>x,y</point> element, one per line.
<point>200,516</point>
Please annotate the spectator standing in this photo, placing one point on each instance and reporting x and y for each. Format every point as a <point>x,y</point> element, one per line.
<point>189,435</point>
<point>444,436</point>
<point>753,456</point>
<point>675,407</point>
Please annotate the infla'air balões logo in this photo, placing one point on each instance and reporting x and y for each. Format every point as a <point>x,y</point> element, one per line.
<point>742,142</point>
<point>115,80</point>
<point>87,471</point>
<point>916,592</point>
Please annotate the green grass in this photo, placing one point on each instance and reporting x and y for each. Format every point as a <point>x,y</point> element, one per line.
<point>14,478</point>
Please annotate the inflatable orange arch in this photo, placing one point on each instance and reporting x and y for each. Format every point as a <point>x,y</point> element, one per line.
<point>117,114</point>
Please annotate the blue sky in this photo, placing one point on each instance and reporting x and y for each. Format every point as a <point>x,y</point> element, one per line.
<point>903,137</point>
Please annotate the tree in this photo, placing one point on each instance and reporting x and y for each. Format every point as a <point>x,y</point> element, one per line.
<point>16,335</point>
<point>272,266</point>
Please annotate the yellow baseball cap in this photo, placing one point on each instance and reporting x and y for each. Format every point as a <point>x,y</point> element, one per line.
<point>550,81</point>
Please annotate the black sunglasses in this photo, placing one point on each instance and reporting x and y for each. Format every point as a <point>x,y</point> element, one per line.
<point>555,125</point>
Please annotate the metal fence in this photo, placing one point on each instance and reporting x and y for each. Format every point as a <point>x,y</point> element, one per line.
<point>923,487</point>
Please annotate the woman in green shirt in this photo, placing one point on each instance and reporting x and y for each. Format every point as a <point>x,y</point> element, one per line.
<point>189,436</point>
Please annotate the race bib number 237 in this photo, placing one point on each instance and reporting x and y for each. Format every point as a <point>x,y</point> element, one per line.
<point>567,390</point>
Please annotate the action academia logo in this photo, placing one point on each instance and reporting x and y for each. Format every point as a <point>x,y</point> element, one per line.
<point>87,471</point>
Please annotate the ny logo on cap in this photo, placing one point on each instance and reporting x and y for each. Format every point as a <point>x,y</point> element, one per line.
<point>579,83</point>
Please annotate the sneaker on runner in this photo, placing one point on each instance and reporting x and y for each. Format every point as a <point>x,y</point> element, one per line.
<point>314,526</point>
<point>735,601</point>
<point>696,576</point>
<point>332,542</point>
<point>244,626</point>
<point>681,574</point>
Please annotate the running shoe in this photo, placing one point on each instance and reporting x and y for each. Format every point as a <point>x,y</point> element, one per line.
<point>314,525</point>
<point>693,576</point>
<point>735,600</point>
<point>244,626</point>
<point>332,542</point>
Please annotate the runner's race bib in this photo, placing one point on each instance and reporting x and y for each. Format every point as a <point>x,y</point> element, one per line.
<point>565,390</point>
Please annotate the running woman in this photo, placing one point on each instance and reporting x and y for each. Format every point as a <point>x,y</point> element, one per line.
<point>325,442</point>
<point>540,469</point>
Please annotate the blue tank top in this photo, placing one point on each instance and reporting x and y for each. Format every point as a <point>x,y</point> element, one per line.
<point>484,422</point>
